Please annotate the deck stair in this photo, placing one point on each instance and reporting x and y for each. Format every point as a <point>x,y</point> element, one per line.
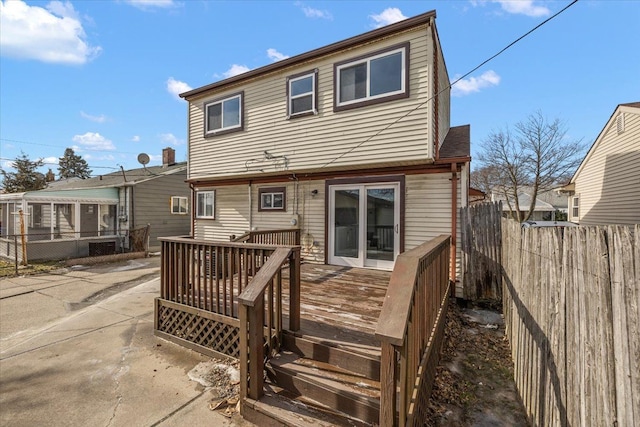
<point>315,382</point>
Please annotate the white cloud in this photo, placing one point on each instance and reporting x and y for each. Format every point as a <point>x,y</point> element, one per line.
<point>155,157</point>
<point>235,70</point>
<point>98,119</point>
<point>518,7</point>
<point>169,138</point>
<point>310,12</point>
<point>275,55</point>
<point>388,16</point>
<point>50,161</point>
<point>93,141</point>
<point>474,84</point>
<point>53,34</point>
<point>150,4</point>
<point>176,87</point>
<point>106,157</point>
<point>8,164</point>
<point>135,138</point>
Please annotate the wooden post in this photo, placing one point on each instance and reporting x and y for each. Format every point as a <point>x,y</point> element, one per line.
<point>244,350</point>
<point>294,290</point>
<point>256,348</point>
<point>23,238</point>
<point>388,383</point>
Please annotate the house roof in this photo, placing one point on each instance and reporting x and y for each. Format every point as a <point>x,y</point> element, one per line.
<point>116,179</point>
<point>457,143</point>
<point>524,200</point>
<point>313,54</point>
<point>633,107</point>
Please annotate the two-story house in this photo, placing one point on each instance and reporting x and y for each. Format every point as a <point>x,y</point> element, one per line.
<point>350,142</point>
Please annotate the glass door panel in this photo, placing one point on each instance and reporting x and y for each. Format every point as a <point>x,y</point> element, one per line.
<point>381,221</point>
<point>346,223</point>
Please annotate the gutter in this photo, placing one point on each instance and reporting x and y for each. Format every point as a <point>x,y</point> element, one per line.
<point>454,222</point>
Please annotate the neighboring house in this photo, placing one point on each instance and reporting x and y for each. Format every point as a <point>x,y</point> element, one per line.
<point>61,220</point>
<point>350,142</point>
<point>606,186</point>
<point>547,203</point>
<point>476,196</point>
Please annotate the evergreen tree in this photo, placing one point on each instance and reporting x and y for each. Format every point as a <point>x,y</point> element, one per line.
<point>72,165</point>
<point>27,178</point>
<point>50,176</point>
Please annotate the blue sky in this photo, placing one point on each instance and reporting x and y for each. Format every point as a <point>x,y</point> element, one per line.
<point>103,76</point>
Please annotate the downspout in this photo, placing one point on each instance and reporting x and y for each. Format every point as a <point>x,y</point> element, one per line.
<point>454,221</point>
<point>436,90</point>
<point>193,210</point>
<point>250,208</point>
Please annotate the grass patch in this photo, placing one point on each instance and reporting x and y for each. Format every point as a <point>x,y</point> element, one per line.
<point>8,269</point>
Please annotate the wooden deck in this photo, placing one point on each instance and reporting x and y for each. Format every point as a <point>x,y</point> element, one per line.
<point>341,305</point>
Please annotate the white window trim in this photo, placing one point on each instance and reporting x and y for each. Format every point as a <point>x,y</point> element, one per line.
<point>178,199</point>
<point>312,92</point>
<point>368,60</point>
<point>222,101</point>
<point>213,207</point>
<point>272,194</point>
<point>575,205</point>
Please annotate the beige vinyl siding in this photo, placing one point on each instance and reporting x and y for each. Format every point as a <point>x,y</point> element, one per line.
<point>389,131</point>
<point>444,99</point>
<point>428,210</point>
<point>231,212</point>
<point>152,205</point>
<point>310,214</point>
<point>608,184</point>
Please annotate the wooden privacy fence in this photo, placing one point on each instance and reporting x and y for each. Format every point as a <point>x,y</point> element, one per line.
<point>200,285</point>
<point>571,306</point>
<point>411,329</point>
<point>481,239</point>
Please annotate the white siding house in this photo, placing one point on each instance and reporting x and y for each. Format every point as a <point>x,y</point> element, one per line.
<point>350,142</point>
<point>606,186</point>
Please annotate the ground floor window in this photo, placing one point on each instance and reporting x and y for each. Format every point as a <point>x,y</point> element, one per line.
<point>205,204</point>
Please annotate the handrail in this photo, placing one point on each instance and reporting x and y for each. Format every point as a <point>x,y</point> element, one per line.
<point>410,328</point>
<point>253,319</point>
<point>284,236</point>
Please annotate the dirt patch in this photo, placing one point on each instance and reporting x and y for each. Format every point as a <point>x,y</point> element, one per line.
<point>474,379</point>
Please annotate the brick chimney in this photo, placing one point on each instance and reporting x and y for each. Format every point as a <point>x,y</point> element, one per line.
<point>168,157</point>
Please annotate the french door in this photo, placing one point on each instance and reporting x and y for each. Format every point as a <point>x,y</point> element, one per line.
<point>364,225</point>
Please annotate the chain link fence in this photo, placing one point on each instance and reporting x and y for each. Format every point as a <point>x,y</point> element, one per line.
<point>22,249</point>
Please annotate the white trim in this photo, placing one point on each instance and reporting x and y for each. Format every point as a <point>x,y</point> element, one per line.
<point>222,102</point>
<point>313,94</point>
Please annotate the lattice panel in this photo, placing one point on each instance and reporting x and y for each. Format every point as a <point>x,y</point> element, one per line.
<point>218,336</point>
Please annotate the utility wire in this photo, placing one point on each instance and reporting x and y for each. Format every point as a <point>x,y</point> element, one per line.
<point>451,84</point>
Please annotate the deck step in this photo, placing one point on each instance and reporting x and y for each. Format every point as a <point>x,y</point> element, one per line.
<point>367,365</point>
<point>278,407</point>
<point>338,389</point>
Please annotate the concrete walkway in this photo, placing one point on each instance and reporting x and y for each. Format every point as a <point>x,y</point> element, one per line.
<point>77,349</point>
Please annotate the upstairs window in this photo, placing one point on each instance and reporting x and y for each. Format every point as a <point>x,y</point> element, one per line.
<point>301,94</point>
<point>273,199</point>
<point>224,115</point>
<point>575,210</point>
<point>178,205</point>
<point>379,77</point>
<point>205,204</point>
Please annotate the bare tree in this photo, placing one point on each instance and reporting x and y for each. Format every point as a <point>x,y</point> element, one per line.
<point>537,155</point>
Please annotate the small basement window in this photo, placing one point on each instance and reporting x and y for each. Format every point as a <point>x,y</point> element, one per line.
<point>178,205</point>
<point>273,199</point>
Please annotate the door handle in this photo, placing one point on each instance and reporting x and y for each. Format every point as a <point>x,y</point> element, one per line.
<point>397,228</point>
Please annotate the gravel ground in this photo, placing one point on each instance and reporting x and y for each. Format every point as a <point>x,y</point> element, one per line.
<point>474,380</point>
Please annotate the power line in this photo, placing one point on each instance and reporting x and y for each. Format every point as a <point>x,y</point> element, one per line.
<point>451,85</point>
<point>62,146</point>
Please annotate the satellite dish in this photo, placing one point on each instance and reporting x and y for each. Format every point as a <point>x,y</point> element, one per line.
<point>143,159</point>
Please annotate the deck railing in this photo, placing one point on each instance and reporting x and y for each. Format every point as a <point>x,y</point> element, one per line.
<point>200,282</point>
<point>261,326</point>
<point>410,329</point>
<point>287,237</point>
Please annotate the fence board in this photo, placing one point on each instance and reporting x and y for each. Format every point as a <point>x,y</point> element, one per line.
<point>571,307</point>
